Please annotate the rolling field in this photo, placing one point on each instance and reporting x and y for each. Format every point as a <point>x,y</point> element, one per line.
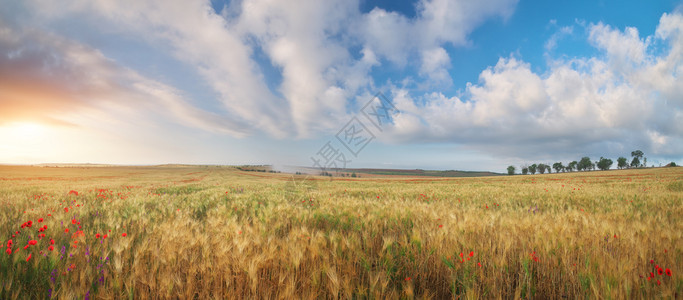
<point>220,233</point>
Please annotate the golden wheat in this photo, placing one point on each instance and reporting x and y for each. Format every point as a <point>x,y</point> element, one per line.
<point>221,233</point>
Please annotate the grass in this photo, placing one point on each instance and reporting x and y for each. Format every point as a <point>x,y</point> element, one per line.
<point>218,232</point>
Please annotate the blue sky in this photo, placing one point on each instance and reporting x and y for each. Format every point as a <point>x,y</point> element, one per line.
<point>477,85</point>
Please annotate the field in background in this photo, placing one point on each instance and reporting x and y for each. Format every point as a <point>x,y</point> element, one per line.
<point>218,232</point>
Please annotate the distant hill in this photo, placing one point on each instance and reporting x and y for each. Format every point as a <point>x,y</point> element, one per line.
<point>420,172</point>
<point>390,172</point>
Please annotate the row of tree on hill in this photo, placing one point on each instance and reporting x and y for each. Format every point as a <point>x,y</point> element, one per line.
<point>585,164</point>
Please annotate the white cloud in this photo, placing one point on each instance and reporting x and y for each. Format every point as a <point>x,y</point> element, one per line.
<point>438,22</point>
<point>309,42</point>
<point>445,21</point>
<point>197,36</point>
<point>325,51</point>
<point>551,43</point>
<point>303,39</point>
<point>624,49</point>
<point>627,98</point>
<point>435,64</point>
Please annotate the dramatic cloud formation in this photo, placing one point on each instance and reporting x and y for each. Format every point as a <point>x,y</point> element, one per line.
<point>300,70</point>
<point>629,96</point>
<point>49,79</point>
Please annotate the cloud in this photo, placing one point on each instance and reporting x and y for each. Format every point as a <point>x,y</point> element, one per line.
<point>435,63</point>
<point>624,49</point>
<point>396,38</point>
<point>324,53</point>
<point>627,98</point>
<point>50,79</point>
<point>306,41</point>
<point>551,43</point>
<point>196,35</point>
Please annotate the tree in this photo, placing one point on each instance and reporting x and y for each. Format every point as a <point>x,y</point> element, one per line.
<point>525,170</point>
<point>572,166</point>
<point>532,169</point>
<point>604,163</point>
<point>541,168</point>
<point>511,170</point>
<point>584,164</point>
<point>558,167</point>
<point>622,162</point>
<point>637,156</point>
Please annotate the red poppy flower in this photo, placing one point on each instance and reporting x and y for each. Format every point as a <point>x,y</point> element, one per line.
<point>658,283</point>
<point>104,236</point>
<point>124,234</point>
<point>29,257</point>
<point>652,275</point>
<point>9,251</point>
<point>52,242</point>
<point>51,248</point>
<point>660,271</point>
<point>461,255</point>
<point>652,261</point>
<point>668,272</point>
<point>10,243</point>
<point>471,253</point>
<point>32,242</point>
<point>73,221</point>
<point>97,235</point>
<point>66,230</point>
<point>40,220</point>
<point>26,247</point>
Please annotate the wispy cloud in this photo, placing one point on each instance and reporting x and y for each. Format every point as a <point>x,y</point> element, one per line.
<point>325,53</point>
<point>50,79</point>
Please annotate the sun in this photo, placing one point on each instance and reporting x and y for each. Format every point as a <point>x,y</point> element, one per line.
<point>22,130</point>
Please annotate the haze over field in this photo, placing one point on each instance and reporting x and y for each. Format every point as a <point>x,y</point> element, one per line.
<point>476,85</point>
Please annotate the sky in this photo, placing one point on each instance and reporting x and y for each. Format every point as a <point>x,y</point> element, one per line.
<point>429,84</point>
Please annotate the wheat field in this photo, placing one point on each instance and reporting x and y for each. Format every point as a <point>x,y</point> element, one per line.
<point>208,232</point>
